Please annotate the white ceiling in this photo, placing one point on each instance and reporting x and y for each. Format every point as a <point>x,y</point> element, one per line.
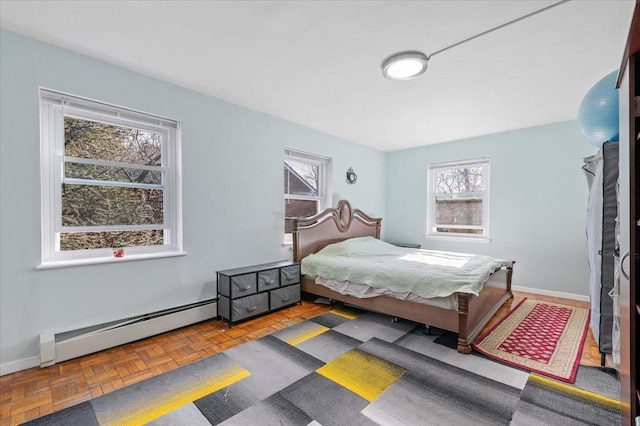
<point>317,63</point>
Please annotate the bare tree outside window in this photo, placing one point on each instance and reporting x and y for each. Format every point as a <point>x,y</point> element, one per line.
<point>301,178</point>
<point>104,185</point>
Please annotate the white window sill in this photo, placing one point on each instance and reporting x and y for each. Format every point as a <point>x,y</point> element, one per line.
<point>484,240</point>
<point>111,259</point>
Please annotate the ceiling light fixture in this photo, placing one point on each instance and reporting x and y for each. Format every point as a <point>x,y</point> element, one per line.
<point>410,64</point>
<point>404,65</point>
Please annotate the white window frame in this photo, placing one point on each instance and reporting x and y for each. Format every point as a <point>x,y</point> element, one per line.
<point>322,200</point>
<point>54,106</point>
<point>431,201</point>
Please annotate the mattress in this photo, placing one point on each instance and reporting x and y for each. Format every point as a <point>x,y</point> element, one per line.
<point>425,273</point>
<point>363,291</point>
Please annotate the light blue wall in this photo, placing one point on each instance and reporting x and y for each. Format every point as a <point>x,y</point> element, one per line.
<point>232,195</point>
<point>538,201</point>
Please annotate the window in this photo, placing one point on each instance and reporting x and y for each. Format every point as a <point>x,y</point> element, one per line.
<point>305,187</point>
<point>110,178</point>
<point>458,204</point>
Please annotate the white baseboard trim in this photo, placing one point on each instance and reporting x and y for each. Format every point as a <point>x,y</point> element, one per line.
<point>58,347</point>
<point>71,345</point>
<point>562,295</point>
<point>19,365</point>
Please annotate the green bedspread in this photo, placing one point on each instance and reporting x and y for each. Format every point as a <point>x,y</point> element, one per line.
<point>426,273</point>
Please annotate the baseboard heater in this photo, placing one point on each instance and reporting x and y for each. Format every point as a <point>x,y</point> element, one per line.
<point>61,346</point>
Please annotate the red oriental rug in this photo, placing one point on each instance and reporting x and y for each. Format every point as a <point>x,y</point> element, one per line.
<point>540,337</point>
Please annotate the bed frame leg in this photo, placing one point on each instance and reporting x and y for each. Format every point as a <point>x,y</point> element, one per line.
<point>509,277</point>
<point>463,332</point>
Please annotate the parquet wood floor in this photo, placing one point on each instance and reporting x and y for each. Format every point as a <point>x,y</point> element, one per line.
<point>33,393</point>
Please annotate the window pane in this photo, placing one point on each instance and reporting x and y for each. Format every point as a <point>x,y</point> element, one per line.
<point>301,178</point>
<point>93,240</point>
<point>459,180</point>
<point>459,193</point>
<point>297,208</point>
<point>91,205</point>
<point>459,212</point>
<point>89,139</point>
<point>114,174</point>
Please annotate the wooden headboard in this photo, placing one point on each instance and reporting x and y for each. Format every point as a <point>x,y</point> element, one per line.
<point>330,226</point>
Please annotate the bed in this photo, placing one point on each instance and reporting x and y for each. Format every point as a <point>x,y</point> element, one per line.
<point>468,314</point>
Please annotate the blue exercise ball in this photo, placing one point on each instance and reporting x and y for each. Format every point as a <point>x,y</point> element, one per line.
<point>599,112</point>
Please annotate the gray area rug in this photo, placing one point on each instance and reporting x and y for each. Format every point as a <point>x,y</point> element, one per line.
<point>349,367</point>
